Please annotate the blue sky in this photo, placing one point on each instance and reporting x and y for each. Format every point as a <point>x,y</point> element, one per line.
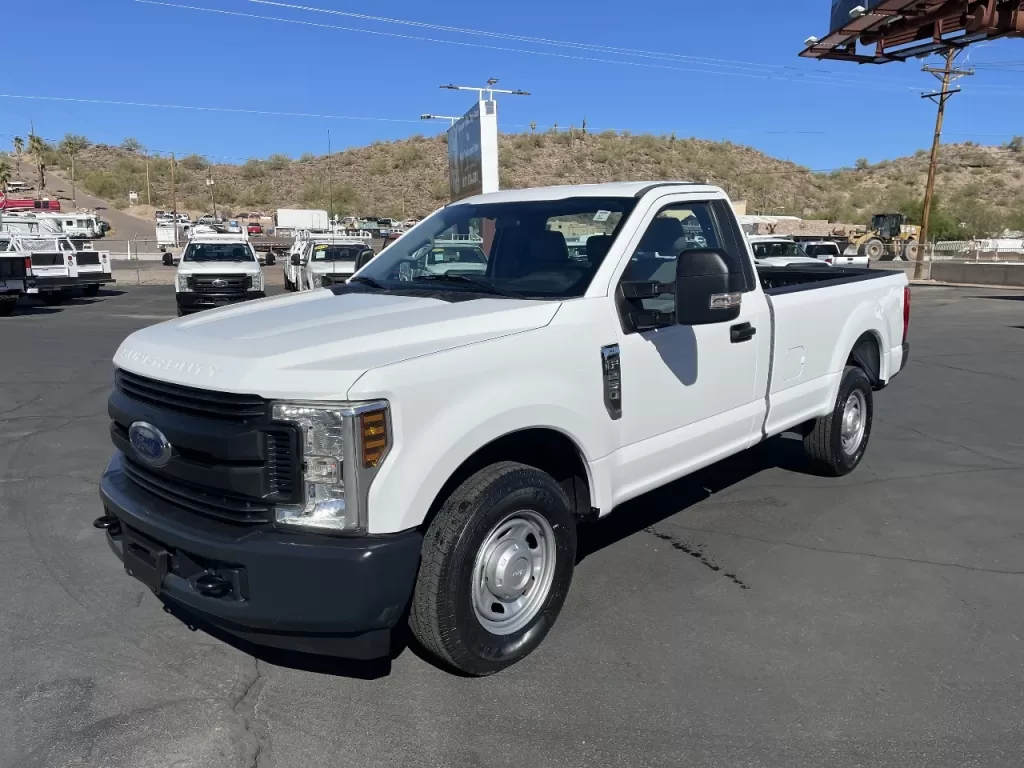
<point>733,73</point>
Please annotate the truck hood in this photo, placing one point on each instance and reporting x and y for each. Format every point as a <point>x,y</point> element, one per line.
<point>315,345</point>
<point>218,267</point>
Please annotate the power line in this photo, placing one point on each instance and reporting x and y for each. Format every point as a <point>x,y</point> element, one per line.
<point>809,79</point>
<point>596,47</point>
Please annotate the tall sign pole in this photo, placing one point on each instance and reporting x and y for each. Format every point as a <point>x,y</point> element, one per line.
<point>473,143</point>
<point>947,75</point>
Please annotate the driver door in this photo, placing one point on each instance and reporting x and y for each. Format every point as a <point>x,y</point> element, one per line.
<point>688,392</point>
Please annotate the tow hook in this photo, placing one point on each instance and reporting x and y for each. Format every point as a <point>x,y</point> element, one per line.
<point>211,585</point>
<point>108,523</point>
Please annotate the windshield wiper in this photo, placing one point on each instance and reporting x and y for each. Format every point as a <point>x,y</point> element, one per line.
<point>486,287</point>
<point>369,281</point>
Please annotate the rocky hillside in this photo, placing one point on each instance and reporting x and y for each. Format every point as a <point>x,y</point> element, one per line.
<point>980,189</point>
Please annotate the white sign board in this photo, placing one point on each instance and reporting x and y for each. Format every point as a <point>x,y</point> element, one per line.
<point>473,152</point>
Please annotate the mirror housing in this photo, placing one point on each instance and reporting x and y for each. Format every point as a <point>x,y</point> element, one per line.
<point>296,260</point>
<point>705,291</point>
<point>363,259</point>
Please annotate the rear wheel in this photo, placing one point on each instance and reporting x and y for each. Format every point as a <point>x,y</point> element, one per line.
<point>835,443</point>
<point>7,305</point>
<point>497,563</point>
<point>910,250</point>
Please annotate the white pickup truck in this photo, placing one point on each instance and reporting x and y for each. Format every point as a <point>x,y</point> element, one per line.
<point>302,471</point>
<point>216,270</point>
<point>58,269</point>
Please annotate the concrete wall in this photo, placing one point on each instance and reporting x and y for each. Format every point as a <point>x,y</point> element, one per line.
<point>982,274</point>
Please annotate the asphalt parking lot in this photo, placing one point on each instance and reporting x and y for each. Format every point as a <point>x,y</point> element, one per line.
<point>750,616</point>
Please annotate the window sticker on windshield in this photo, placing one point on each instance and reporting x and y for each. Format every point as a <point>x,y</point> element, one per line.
<point>602,215</point>
<point>322,247</point>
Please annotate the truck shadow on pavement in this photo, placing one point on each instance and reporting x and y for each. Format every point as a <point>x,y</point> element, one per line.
<point>783,452</point>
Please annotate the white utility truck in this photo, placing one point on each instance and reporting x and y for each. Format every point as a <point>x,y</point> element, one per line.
<point>304,470</point>
<point>58,269</point>
<point>327,260</point>
<point>15,277</point>
<point>216,270</point>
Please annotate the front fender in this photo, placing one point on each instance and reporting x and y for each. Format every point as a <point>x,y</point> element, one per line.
<point>447,406</point>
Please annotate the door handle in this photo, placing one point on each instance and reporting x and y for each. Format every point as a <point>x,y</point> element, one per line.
<point>741,332</point>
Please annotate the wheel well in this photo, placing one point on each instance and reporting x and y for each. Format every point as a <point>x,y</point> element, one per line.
<point>867,356</point>
<point>548,450</point>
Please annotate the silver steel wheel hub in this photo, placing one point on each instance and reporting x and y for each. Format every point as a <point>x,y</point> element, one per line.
<point>854,422</point>
<point>513,572</point>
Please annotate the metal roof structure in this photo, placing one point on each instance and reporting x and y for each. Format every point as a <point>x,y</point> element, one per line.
<point>901,29</point>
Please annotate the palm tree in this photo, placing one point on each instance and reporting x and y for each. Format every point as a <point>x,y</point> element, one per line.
<point>19,147</point>
<point>36,148</point>
<point>5,175</point>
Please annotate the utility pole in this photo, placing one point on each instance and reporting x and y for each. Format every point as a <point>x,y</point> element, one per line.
<point>74,195</point>
<point>174,195</point>
<point>149,197</point>
<point>948,74</point>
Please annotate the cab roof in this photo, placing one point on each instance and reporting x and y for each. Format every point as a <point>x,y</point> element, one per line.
<point>608,189</point>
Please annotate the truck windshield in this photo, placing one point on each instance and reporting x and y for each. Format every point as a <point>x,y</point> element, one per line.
<point>774,250</point>
<point>217,252</point>
<point>514,248</point>
<point>328,252</point>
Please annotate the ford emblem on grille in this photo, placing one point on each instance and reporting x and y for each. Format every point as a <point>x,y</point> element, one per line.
<point>149,443</point>
<point>219,283</point>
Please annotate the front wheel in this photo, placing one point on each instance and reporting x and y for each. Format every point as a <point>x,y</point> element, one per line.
<point>496,566</point>
<point>835,443</point>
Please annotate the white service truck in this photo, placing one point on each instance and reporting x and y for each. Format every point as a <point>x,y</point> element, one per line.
<point>327,260</point>
<point>58,269</point>
<point>303,470</point>
<point>216,270</point>
<point>15,278</point>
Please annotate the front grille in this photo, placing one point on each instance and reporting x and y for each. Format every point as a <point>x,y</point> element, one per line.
<point>189,400</point>
<point>224,283</point>
<point>86,259</point>
<point>281,462</point>
<point>235,509</point>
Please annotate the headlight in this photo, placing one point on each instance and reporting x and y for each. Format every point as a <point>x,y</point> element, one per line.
<point>257,281</point>
<point>343,446</point>
<point>183,284</point>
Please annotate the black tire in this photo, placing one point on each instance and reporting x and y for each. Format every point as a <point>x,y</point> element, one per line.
<point>443,617</point>
<point>52,298</point>
<point>181,312</point>
<point>823,442</point>
<point>91,290</point>
<point>7,306</point>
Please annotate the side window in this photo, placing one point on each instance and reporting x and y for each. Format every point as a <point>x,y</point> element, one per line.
<point>676,228</point>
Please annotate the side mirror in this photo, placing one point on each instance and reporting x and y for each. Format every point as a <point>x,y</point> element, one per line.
<point>363,259</point>
<point>296,260</point>
<point>271,260</point>
<point>704,289</point>
<point>168,260</point>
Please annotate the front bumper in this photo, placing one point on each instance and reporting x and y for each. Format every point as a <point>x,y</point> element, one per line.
<point>191,301</point>
<point>299,591</point>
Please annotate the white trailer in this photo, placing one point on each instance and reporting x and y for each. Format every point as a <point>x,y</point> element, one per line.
<point>291,221</point>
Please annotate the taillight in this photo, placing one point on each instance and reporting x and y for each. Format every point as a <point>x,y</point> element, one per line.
<point>906,311</point>
<point>71,259</point>
<point>28,265</point>
<point>828,261</point>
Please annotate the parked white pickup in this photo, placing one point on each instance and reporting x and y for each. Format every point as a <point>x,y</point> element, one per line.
<point>301,469</point>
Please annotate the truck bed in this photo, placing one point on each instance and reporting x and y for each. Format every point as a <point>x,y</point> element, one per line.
<point>776,281</point>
